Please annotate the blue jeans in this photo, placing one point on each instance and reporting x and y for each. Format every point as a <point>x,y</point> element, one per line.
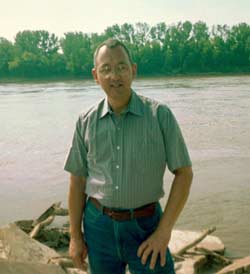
<point>112,245</point>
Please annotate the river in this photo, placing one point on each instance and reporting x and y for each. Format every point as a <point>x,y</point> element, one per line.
<point>37,122</point>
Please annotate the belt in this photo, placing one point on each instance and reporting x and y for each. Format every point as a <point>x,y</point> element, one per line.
<point>124,215</point>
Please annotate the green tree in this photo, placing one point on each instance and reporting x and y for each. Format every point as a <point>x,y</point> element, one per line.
<point>220,49</point>
<point>176,46</point>
<point>239,44</point>
<point>35,52</point>
<point>6,55</point>
<point>77,51</point>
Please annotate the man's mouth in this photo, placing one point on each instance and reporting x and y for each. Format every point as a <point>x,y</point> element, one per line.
<point>116,85</point>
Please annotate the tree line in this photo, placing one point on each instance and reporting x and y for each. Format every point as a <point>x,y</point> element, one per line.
<point>161,49</point>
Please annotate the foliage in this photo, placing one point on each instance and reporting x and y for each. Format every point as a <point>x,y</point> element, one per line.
<point>158,50</point>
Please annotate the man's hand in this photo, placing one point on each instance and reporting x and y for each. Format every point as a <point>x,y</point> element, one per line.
<point>156,244</point>
<point>78,252</point>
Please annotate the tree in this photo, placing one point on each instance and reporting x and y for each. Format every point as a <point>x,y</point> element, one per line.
<point>239,44</point>
<point>77,52</point>
<point>6,55</point>
<point>35,52</point>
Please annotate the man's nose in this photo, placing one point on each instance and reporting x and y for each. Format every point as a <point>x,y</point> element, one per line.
<point>114,74</point>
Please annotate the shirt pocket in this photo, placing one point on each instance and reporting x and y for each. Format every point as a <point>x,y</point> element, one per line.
<point>99,146</point>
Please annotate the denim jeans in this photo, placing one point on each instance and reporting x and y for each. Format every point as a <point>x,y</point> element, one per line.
<point>112,245</point>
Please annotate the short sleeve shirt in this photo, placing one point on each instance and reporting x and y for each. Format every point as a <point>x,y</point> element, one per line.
<point>124,158</point>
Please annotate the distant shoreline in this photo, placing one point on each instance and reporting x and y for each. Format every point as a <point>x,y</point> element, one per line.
<point>9,80</point>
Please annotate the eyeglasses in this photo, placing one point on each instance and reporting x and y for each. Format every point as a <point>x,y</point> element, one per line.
<point>120,69</point>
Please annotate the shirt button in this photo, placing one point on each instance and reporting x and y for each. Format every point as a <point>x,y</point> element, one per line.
<point>118,128</point>
<point>118,147</point>
<point>117,166</point>
<point>116,187</point>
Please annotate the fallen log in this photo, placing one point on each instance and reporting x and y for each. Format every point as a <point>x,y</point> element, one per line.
<point>62,261</point>
<point>217,257</point>
<point>195,242</point>
<point>65,262</point>
<point>40,225</point>
<point>48,212</point>
<point>238,266</point>
<point>61,212</point>
<point>25,225</point>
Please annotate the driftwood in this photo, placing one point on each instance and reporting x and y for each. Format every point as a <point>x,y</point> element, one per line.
<point>61,211</point>
<point>48,212</point>
<point>216,257</point>
<point>238,266</point>
<point>65,262</point>
<point>41,225</point>
<point>45,219</point>
<point>25,225</point>
<point>195,242</point>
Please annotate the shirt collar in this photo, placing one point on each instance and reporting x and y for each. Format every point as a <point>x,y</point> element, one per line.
<point>105,108</point>
<point>135,106</point>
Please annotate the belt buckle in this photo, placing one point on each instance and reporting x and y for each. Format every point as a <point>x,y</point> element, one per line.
<point>111,213</point>
<point>118,216</point>
<point>114,215</point>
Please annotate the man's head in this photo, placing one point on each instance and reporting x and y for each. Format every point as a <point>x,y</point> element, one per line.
<point>112,43</point>
<point>114,70</point>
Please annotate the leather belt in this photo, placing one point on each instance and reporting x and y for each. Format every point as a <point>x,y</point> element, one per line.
<point>124,215</point>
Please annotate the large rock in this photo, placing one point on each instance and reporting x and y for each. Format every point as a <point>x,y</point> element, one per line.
<point>16,245</point>
<point>180,238</point>
<point>193,263</point>
<point>190,265</point>
<point>11,267</point>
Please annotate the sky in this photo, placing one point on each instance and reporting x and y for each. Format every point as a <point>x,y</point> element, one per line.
<point>60,16</point>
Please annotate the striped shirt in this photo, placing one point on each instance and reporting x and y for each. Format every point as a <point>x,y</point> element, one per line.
<point>124,158</point>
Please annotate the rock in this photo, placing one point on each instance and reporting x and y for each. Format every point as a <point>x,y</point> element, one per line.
<point>13,240</point>
<point>74,271</point>
<point>16,245</point>
<point>11,267</point>
<point>238,266</point>
<point>182,238</point>
<point>193,263</point>
<point>190,265</point>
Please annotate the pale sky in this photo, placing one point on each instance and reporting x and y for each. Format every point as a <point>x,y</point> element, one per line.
<point>60,16</point>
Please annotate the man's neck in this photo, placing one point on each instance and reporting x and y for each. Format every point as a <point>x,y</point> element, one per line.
<point>119,105</point>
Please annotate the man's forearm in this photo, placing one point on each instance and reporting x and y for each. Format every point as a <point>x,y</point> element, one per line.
<point>76,204</point>
<point>157,243</point>
<point>177,198</point>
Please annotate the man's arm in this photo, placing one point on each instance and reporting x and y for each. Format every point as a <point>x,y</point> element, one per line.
<point>76,203</point>
<point>157,243</point>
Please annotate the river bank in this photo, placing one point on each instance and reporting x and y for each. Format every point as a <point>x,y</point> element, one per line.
<point>51,79</point>
<point>193,252</point>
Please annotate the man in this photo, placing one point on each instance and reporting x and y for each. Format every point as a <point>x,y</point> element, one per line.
<point>117,161</point>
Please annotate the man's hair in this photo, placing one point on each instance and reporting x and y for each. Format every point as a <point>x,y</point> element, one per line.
<point>112,43</point>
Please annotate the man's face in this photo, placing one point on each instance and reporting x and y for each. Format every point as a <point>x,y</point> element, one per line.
<point>114,72</point>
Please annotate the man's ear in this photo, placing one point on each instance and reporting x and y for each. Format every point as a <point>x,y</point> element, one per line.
<point>134,70</point>
<point>94,73</point>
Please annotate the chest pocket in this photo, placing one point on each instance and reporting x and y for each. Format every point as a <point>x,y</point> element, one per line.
<point>99,144</point>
